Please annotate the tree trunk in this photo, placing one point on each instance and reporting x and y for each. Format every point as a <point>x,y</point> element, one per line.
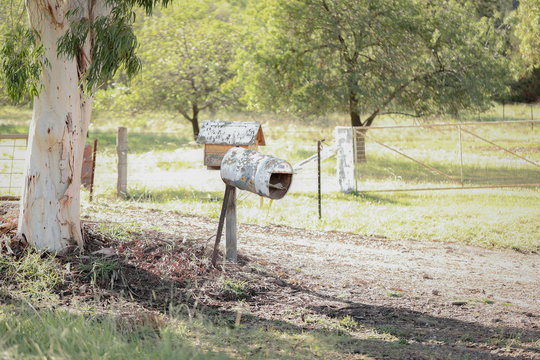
<point>50,205</point>
<point>195,120</point>
<point>359,139</point>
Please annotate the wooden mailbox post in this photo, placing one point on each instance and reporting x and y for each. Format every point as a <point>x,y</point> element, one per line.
<point>219,136</point>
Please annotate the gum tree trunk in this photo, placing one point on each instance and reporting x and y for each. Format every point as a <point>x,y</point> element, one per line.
<point>50,205</point>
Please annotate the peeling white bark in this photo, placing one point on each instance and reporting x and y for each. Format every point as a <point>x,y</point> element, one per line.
<point>50,205</point>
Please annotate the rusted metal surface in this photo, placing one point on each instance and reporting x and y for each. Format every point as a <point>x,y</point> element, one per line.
<point>255,172</point>
<point>231,133</point>
<point>86,171</point>
<point>213,154</point>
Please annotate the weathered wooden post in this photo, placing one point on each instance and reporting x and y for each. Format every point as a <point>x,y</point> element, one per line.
<point>93,170</point>
<point>89,167</point>
<point>121,150</point>
<point>345,158</point>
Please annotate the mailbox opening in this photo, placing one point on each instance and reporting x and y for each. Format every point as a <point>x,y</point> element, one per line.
<point>279,185</point>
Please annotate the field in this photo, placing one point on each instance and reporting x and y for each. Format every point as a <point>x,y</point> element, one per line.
<point>165,171</point>
<point>441,274</point>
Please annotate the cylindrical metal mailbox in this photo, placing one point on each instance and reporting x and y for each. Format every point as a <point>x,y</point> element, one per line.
<point>255,172</point>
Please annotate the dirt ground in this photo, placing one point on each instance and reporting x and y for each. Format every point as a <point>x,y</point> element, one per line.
<point>442,300</point>
<point>423,291</point>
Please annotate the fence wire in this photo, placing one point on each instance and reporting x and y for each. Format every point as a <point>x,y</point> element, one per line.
<point>12,158</point>
<point>391,158</point>
<point>447,156</point>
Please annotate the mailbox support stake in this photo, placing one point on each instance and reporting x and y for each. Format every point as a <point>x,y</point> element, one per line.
<point>228,189</point>
<point>230,227</point>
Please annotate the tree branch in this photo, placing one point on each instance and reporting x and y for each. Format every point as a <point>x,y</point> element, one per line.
<point>400,113</point>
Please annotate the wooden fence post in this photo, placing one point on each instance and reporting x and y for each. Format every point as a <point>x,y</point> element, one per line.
<point>231,254</point>
<point>344,136</point>
<point>121,149</point>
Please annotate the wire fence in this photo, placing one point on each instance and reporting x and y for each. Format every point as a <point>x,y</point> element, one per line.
<point>183,166</point>
<point>12,157</point>
<point>397,158</point>
<point>447,156</point>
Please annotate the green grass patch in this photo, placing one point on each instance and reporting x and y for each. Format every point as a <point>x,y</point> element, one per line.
<point>56,334</point>
<point>100,270</point>
<point>35,274</point>
<point>501,218</point>
<point>257,338</point>
<point>119,231</point>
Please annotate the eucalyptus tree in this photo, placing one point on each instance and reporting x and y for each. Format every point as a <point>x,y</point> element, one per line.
<point>373,57</point>
<point>72,46</point>
<point>187,52</point>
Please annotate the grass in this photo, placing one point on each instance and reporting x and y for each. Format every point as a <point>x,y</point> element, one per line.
<point>166,173</point>
<point>100,270</point>
<point>118,231</point>
<point>37,277</point>
<point>493,218</point>
<point>56,334</point>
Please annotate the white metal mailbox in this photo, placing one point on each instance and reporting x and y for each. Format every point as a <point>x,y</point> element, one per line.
<point>255,172</point>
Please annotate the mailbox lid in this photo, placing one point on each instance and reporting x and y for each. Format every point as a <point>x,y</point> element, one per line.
<point>255,172</point>
<point>234,133</point>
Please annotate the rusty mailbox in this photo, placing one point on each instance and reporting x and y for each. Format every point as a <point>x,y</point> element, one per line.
<point>252,171</point>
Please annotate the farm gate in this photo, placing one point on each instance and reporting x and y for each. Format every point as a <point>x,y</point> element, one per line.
<point>447,156</point>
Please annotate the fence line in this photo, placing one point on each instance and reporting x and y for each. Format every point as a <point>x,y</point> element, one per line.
<point>398,158</point>
<point>413,157</point>
<point>471,123</point>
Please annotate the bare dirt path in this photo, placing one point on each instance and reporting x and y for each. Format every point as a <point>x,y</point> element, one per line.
<point>441,300</point>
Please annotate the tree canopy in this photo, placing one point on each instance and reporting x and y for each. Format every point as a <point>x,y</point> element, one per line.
<point>528,31</point>
<point>369,57</point>
<point>187,52</point>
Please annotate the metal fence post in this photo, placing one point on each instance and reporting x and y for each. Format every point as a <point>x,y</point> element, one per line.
<point>319,174</point>
<point>461,154</point>
<point>355,164</point>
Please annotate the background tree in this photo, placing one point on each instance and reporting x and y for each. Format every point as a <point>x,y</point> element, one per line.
<point>187,51</point>
<point>528,31</point>
<point>13,24</point>
<point>77,44</point>
<point>373,58</point>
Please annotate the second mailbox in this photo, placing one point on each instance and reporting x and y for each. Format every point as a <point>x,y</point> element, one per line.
<point>255,172</point>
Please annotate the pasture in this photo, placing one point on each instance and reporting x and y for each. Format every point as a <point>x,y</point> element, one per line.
<point>439,274</point>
